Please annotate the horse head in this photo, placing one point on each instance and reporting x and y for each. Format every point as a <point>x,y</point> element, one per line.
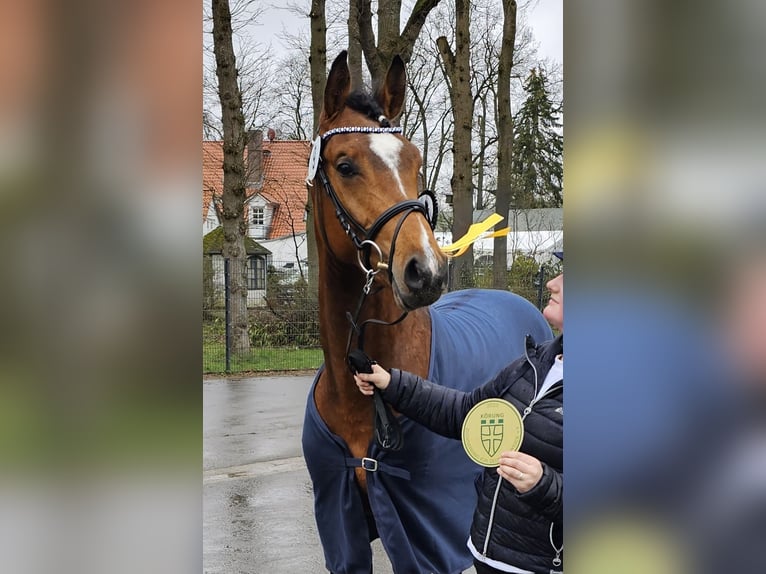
<point>370,215</point>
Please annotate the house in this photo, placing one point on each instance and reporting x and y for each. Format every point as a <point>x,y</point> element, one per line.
<point>276,195</point>
<point>258,260</point>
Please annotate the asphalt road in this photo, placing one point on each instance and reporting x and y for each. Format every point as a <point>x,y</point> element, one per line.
<point>258,504</point>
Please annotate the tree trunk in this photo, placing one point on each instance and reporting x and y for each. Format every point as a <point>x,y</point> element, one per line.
<point>482,154</point>
<point>390,41</point>
<point>354,45</point>
<point>458,70</point>
<point>388,36</point>
<point>318,56</point>
<point>318,63</point>
<point>234,175</point>
<point>505,142</point>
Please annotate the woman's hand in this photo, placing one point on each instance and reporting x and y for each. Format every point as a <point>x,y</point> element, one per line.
<point>520,469</point>
<point>379,377</point>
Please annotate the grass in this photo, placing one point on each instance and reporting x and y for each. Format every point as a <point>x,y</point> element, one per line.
<point>261,359</point>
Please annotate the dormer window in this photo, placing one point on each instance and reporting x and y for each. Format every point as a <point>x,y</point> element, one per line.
<point>258,215</point>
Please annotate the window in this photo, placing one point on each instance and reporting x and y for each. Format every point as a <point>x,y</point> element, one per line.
<point>256,273</point>
<point>257,215</point>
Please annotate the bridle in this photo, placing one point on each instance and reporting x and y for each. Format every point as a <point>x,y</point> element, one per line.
<point>350,225</point>
<point>387,431</point>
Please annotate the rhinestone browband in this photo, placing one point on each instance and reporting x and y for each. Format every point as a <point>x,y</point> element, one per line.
<point>361,129</point>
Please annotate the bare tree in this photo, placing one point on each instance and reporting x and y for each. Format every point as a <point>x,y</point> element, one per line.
<point>256,70</point>
<point>318,57</point>
<point>255,66</point>
<point>210,126</point>
<point>427,116</point>
<point>354,44</point>
<point>294,112</point>
<point>318,63</point>
<point>485,63</point>
<point>457,65</point>
<point>484,69</point>
<point>234,176</point>
<point>505,140</point>
<point>390,41</point>
<point>211,113</point>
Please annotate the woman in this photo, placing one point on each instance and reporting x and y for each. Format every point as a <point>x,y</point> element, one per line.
<point>517,524</point>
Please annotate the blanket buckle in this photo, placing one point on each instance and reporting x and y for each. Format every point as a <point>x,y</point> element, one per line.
<point>370,464</point>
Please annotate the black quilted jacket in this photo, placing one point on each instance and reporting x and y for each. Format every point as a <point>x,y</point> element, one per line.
<point>509,527</point>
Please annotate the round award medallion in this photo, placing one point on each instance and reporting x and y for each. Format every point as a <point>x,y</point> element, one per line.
<point>490,428</point>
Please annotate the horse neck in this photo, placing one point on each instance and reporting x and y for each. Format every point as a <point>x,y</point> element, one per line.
<point>405,345</point>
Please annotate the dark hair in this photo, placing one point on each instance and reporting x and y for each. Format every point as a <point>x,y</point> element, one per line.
<point>362,101</point>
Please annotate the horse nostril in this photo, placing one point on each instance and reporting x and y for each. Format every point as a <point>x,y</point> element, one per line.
<point>416,275</point>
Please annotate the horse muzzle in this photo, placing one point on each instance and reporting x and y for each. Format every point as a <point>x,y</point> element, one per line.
<point>421,283</point>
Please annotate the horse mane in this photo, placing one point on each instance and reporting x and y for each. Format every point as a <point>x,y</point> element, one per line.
<point>364,102</point>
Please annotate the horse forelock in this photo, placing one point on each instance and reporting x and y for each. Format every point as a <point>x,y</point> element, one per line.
<point>388,148</point>
<point>365,103</point>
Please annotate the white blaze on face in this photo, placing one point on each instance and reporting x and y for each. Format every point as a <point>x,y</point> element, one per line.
<point>388,148</point>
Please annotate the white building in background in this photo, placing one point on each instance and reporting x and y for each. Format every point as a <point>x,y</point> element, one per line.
<point>534,232</point>
<point>288,252</point>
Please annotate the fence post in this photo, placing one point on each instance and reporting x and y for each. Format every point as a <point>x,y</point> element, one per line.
<point>540,283</point>
<point>227,318</point>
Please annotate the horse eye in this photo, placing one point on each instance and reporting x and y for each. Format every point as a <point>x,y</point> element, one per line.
<point>346,168</point>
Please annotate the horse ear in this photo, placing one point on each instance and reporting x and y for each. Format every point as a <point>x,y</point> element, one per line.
<point>337,87</point>
<point>391,94</point>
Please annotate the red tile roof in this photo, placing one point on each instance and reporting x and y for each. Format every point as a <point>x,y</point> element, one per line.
<point>212,173</point>
<point>284,170</point>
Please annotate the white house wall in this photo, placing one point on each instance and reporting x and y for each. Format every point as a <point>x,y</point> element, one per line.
<point>283,250</point>
<point>210,222</point>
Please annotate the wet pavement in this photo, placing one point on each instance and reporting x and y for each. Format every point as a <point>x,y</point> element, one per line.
<point>257,499</point>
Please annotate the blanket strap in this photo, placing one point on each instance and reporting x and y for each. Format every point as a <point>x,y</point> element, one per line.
<point>372,465</point>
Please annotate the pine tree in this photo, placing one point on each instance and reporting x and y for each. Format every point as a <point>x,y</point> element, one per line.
<point>538,147</point>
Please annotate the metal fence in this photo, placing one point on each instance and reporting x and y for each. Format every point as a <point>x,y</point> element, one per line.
<point>283,319</point>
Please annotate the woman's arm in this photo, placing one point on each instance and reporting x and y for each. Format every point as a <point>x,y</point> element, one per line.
<point>441,409</point>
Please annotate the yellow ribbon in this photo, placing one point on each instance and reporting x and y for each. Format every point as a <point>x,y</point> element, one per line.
<point>475,232</point>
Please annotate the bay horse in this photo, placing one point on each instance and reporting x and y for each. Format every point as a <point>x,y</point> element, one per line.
<point>381,268</point>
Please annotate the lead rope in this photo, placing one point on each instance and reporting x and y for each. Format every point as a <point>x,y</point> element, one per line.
<point>388,432</point>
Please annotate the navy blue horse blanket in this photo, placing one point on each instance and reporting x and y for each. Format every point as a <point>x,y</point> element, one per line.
<point>422,496</point>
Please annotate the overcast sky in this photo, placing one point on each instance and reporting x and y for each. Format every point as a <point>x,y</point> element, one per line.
<point>545,18</point>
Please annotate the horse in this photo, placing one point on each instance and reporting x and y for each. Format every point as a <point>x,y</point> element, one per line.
<point>381,282</point>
